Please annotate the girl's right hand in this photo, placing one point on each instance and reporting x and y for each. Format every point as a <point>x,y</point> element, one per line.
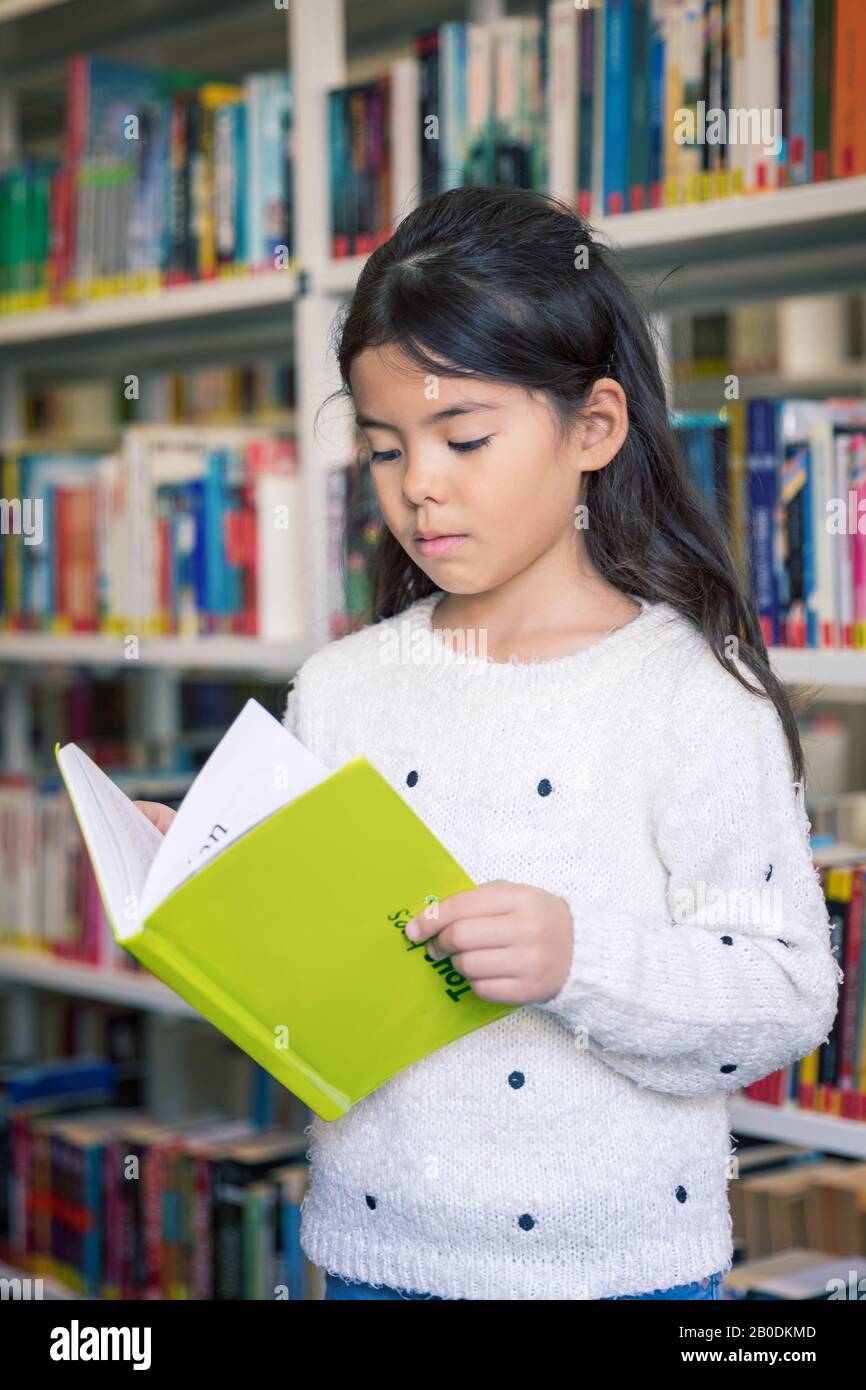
<point>160,816</point>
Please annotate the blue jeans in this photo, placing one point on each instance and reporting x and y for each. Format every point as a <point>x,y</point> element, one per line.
<point>336,1286</point>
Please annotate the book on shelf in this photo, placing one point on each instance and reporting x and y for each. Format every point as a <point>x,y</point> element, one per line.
<point>166,177</point>
<point>614,107</point>
<point>212,1212</point>
<point>832,1079</point>
<point>786,479</point>
<point>182,530</point>
<point>98,408</point>
<point>805,336</point>
<point>796,1274</point>
<point>355,524</point>
<point>320,986</point>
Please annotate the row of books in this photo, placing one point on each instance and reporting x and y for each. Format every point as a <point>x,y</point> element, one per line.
<point>787,478</point>
<point>614,106</point>
<point>113,1204</point>
<point>182,530</point>
<point>103,710</point>
<point>798,1223</point>
<point>165,178</point>
<point>98,407</point>
<point>788,337</point>
<point>354,524</point>
<point>832,1079</point>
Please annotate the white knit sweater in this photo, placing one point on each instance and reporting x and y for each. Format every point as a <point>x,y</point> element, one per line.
<point>578,1148</point>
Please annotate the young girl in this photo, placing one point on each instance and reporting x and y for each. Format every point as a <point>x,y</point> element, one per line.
<point>566,681</point>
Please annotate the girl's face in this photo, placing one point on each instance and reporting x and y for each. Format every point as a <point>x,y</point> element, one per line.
<point>478,465</point>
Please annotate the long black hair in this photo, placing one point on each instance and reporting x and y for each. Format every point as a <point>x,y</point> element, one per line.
<point>509,285</point>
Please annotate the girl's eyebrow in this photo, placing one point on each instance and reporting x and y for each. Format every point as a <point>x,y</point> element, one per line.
<point>366,421</point>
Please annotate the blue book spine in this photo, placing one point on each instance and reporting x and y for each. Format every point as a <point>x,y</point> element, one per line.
<point>239,121</point>
<point>24,475</point>
<point>199,558</point>
<point>214,506</point>
<point>616,113</point>
<point>656,106</point>
<point>762,506</point>
<point>810,578</point>
<point>91,1253</point>
<point>293,1257</point>
<point>276,97</point>
<point>254,235</point>
<point>800,91</point>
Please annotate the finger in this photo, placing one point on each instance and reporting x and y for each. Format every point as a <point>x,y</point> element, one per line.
<point>160,816</point>
<point>487,899</point>
<point>473,933</point>
<point>499,962</point>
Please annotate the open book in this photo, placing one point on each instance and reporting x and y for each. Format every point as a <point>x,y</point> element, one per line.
<point>276,904</point>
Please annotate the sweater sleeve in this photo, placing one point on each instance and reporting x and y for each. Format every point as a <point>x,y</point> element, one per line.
<point>738,978</point>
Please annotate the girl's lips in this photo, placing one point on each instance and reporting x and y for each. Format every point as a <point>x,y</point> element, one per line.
<point>439,545</point>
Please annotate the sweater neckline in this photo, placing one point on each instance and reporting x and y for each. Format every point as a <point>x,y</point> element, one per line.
<point>614,643</point>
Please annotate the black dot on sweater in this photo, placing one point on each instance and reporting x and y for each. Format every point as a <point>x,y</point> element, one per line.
<point>526,1222</point>
<point>516,1079</point>
<point>784,943</point>
<point>681,1194</point>
<point>371,1202</point>
<point>412,778</point>
<point>544,788</point>
<point>728,1066</point>
<point>727,941</point>
<point>768,873</point>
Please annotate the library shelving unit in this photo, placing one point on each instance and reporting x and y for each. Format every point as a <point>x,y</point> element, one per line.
<point>780,243</point>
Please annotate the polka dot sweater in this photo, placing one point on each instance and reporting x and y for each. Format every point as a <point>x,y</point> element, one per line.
<point>578,1148</point>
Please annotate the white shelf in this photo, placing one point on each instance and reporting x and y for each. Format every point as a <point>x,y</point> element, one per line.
<point>91,982</point>
<point>206,653</point>
<point>739,218</point>
<point>843,669</point>
<point>794,665</point>
<point>226,295</point>
<point>788,1124</point>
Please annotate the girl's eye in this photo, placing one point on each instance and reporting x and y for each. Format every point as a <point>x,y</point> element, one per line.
<point>471,444</point>
<point>461,448</point>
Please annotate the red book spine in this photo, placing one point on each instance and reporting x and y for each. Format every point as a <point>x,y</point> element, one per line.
<point>58,255</point>
<point>165,568</point>
<point>152,1214</point>
<point>113,1223</point>
<point>249,527</point>
<point>61,551</point>
<point>849,89</point>
<point>202,1230</point>
<point>849,1002</point>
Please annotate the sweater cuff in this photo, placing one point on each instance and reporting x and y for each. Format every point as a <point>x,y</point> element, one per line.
<point>586,973</point>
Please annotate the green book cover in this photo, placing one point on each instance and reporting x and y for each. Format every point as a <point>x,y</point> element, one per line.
<point>276,906</point>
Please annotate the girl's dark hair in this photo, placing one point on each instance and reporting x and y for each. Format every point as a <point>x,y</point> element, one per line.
<point>508,285</point>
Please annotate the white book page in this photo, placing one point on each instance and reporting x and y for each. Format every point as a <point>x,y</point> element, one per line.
<point>122,842</point>
<point>256,768</point>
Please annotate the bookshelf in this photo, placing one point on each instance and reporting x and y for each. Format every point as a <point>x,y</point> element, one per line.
<point>733,249</point>
<point>787,1125</point>
<point>139,991</point>
<point>228,654</point>
<point>231,295</point>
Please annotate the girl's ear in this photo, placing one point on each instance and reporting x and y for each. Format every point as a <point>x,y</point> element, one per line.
<point>604,425</point>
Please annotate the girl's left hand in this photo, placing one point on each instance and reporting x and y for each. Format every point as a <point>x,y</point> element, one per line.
<point>513,942</point>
